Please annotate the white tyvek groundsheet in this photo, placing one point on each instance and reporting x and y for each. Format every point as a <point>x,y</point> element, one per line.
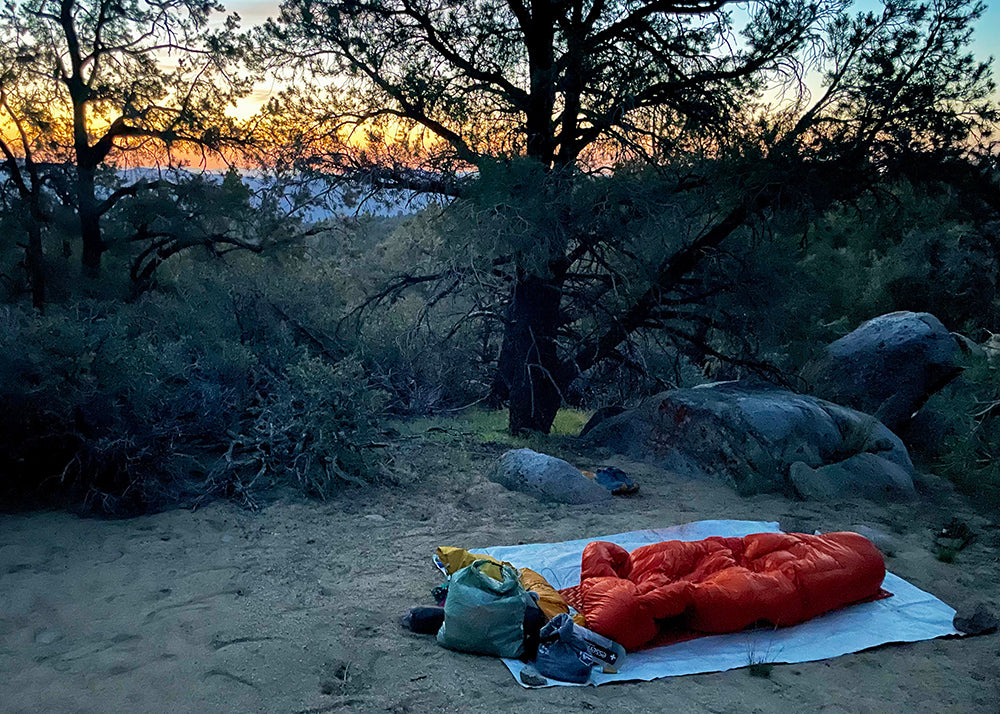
<point>910,615</point>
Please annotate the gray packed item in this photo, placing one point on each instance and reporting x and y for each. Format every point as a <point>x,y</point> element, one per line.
<point>562,652</point>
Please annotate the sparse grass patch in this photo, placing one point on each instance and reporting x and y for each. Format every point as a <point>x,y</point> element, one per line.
<point>945,554</point>
<point>569,422</point>
<point>761,669</point>
<point>485,426</point>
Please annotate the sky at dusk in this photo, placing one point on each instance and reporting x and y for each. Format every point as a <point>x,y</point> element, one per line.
<point>987,34</point>
<point>253,12</point>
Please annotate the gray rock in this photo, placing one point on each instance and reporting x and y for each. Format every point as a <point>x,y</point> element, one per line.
<point>991,348</point>
<point>888,367</point>
<point>889,545</point>
<point>863,475</point>
<point>750,435</point>
<point>546,478</point>
<point>976,620</point>
<point>969,347</point>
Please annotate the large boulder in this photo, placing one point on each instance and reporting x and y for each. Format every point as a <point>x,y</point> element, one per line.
<point>750,436</point>
<point>546,478</point>
<point>888,367</point>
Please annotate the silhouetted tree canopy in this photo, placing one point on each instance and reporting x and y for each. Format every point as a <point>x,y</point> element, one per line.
<point>556,81</point>
<point>91,82</point>
<point>582,85</point>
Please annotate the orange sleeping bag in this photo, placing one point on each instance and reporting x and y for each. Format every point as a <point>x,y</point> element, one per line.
<point>723,584</point>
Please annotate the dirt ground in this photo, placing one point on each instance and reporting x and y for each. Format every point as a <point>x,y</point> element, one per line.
<point>296,607</point>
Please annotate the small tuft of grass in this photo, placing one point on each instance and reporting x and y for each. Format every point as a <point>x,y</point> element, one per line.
<point>945,554</point>
<point>761,669</point>
<point>570,422</point>
<point>760,662</point>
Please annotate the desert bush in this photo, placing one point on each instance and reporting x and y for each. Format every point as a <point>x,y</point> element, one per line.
<point>312,428</point>
<point>797,282</point>
<point>911,250</point>
<point>949,270</point>
<point>965,421</point>
<point>126,407</point>
<point>102,411</point>
<point>425,363</point>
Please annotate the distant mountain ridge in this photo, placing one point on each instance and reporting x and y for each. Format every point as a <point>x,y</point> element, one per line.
<point>319,202</point>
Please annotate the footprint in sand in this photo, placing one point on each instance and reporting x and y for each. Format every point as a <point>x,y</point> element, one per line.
<point>223,674</point>
<point>47,636</point>
<point>218,643</point>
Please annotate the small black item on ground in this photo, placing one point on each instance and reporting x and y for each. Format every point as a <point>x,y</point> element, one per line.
<point>951,539</point>
<point>424,620</point>
<point>440,594</point>
<point>976,620</point>
<point>534,621</point>
<point>957,533</point>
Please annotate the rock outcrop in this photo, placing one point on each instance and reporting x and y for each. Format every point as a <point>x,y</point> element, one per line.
<point>763,439</point>
<point>887,367</point>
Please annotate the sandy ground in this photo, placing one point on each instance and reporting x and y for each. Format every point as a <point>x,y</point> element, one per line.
<point>295,608</point>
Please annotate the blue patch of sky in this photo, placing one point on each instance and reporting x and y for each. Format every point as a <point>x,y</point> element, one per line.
<point>986,39</point>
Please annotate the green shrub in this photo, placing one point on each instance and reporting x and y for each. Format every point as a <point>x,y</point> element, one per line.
<point>915,250</point>
<point>313,429</point>
<point>126,407</point>
<point>404,352</point>
<point>98,409</point>
<point>428,346</point>
<point>968,421</point>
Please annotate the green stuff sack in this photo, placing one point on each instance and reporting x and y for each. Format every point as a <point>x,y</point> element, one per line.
<point>484,615</point>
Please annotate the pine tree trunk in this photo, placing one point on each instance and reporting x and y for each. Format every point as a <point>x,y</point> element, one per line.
<point>90,224</point>
<point>35,260</point>
<point>529,363</point>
